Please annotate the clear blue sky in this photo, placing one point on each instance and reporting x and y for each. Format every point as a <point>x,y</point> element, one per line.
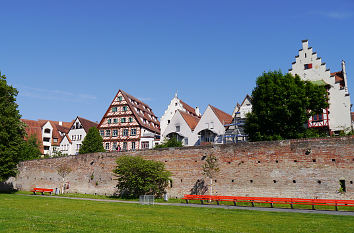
<point>70,58</point>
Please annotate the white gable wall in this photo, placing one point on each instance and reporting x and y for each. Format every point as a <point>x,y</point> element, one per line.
<point>339,99</point>
<point>45,136</point>
<point>76,136</point>
<point>208,121</point>
<point>185,131</point>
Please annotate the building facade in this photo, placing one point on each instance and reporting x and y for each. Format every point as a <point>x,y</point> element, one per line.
<point>72,141</point>
<point>309,67</point>
<point>129,124</point>
<point>175,105</point>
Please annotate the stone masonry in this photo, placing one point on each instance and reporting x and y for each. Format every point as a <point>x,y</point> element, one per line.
<point>310,168</point>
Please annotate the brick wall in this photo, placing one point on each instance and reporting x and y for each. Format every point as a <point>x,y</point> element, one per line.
<point>293,168</point>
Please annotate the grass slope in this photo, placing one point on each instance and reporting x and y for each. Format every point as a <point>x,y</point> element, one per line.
<point>35,214</point>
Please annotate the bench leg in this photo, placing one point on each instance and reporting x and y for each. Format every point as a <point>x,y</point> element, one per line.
<point>42,193</point>
<point>336,208</point>
<point>291,206</point>
<point>187,201</point>
<point>252,204</point>
<point>217,202</point>
<point>201,201</point>
<point>235,203</point>
<point>271,205</point>
<point>313,207</point>
<point>34,193</point>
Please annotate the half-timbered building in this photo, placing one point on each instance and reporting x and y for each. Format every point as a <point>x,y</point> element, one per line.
<point>129,124</point>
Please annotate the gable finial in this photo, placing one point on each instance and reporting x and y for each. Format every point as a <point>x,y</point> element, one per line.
<point>176,94</point>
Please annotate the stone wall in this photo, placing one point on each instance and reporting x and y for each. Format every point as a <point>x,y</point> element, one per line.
<point>309,168</point>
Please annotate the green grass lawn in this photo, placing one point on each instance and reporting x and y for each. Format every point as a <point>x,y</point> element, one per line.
<point>37,214</point>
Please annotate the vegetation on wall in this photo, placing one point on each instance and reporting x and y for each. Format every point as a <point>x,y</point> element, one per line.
<point>13,147</point>
<point>172,142</point>
<point>282,105</point>
<point>92,143</point>
<point>137,176</point>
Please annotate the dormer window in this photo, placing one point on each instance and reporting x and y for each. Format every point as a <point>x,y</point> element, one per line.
<point>47,131</point>
<point>308,66</point>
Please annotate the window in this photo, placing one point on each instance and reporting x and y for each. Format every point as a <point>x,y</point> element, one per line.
<point>145,145</point>
<point>114,147</point>
<point>78,147</point>
<point>55,140</point>
<point>133,145</point>
<point>168,121</point>
<point>178,128</point>
<point>107,145</point>
<point>317,117</point>
<point>125,108</point>
<point>308,66</point>
<point>109,121</point>
<point>54,149</point>
<point>123,120</point>
<point>102,132</point>
<point>120,98</point>
<point>185,141</point>
<point>133,132</point>
<point>342,186</point>
<point>47,131</point>
<point>114,109</point>
<point>125,145</point>
<point>80,137</point>
<point>46,148</point>
<point>130,119</point>
<point>115,133</point>
<point>108,132</point>
<point>125,132</point>
<point>77,125</point>
<point>115,120</point>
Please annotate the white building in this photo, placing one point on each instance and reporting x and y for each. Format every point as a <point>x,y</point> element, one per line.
<point>310,67</point>
<point>192,130</point>
<point>176,104</point>
<point>72,141</point>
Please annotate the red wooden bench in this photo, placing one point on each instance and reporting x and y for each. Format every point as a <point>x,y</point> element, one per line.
<point>271,200</point>
<point>41,190</point>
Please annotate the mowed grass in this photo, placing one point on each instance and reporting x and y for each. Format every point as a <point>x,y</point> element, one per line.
<point>37,214</point>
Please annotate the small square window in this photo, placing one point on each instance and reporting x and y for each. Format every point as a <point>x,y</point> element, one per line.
<point>125,108</point>
<point>109,121</point>
<point>108,132</point>
<point>178,128</point>
<point>133,132</point>
<point>114,109</point>
<point>130,119</point>
<point>102,132</point>
<point>115,133</point>
<point>125,132</point>
<point>122,120</point>
<point>107,145</point>
<point>120,98</point>
<point>115,120</point>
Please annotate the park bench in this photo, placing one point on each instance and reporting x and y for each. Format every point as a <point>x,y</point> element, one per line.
<point>271,200</point>
<point>41,190</point>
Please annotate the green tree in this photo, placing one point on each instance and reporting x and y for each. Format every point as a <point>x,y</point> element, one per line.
<point>11,130</point>
<point>172,142</point>
<point>30,149</point>
<point>282,105</point>
<point>92,142</point>
<point>137,176</point>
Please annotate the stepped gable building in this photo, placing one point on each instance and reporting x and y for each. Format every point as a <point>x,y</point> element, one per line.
<point>129,124</point>
<point>70,143</point>
<point>176,104</point>
<point>49,133</point>
<point>309,67</point>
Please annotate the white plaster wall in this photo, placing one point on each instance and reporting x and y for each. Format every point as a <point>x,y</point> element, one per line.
<point>185,131</point>
<point>65,146</point>
<point>245,108</point>
<point>174,105</point>
<point>205,122</point>
<point>339,100</point>
<point>76,142</point>
<point>47,135</point>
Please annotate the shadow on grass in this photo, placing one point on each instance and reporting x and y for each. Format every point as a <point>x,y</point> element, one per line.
<point>6,187</point>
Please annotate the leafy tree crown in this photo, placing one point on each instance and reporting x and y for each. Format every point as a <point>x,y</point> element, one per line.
<point>92,143</point>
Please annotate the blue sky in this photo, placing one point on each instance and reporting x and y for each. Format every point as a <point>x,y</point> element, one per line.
<point>70,58</point>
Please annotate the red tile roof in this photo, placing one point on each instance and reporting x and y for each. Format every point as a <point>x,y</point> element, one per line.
<point>188,108</point>
<point>339,78</point>
<point>86,124</point>
<point>34,128</point>
<point>151,121</point>
<point>224,118</point>
<point>192,121</point>
<point>352,113</point>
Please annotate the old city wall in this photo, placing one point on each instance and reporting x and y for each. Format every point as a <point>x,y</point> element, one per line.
<point>309,168</point>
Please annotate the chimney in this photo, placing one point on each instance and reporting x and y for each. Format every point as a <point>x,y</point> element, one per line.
<point>344,76</point>
<point>61,123</point>
<point>197,111</point>
<point>305,44</point>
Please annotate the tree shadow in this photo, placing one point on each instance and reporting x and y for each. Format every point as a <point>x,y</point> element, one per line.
<point>7,187</point>
<point>199,188</point>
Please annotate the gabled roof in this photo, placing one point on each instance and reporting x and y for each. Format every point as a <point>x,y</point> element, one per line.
<point>223,117</point>
<point>145,112</point>
<point>188,108</point>
<point>192,121</point>
<point>65,136</point>
<point>247,97</point>
<point>86,124</point>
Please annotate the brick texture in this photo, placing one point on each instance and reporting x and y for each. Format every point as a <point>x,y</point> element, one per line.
<point>309,168</point>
